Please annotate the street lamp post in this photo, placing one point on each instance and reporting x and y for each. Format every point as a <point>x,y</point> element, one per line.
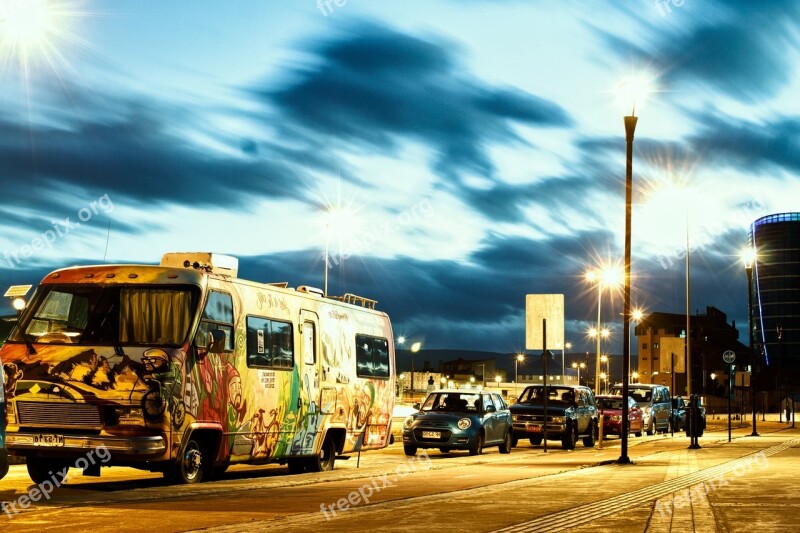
<point>578,366</point>
<point>604,375</point>
<point>630,128</point>
<point>749,258</point>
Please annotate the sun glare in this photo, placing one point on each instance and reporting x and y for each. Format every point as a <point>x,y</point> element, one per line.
<point>25,23</point>
<point>34,31</point>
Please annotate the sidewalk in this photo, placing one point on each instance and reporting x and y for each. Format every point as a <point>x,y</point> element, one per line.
<point>745,485</point>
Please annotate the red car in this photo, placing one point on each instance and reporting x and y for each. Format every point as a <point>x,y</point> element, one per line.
<point>611,408</point>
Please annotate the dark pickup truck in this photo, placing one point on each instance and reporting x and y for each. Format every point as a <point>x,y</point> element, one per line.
<point>571,414</point>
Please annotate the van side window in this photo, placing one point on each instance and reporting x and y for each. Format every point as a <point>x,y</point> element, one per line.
<point>309,343</point>
<point>372,357</point>
<point>269,343</point>
<point>218,314</point>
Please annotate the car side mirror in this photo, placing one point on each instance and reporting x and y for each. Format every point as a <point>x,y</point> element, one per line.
<point>491,409</point>
<point>415,405</point>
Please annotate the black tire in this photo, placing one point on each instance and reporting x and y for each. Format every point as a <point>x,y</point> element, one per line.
<point>650,428</point>
<point>637,434</point>
<point>588,441</point>
<point>41,469</point>
<point>190,467</point>
<point>410,450</point>
<point>296,466</point>
<point>514,440</point>
<point>505,446</point>
<point>570,438</point>
<point>536,441</point>
<point>444,450</point>
<point>477,446</point>
<point>324,461</point>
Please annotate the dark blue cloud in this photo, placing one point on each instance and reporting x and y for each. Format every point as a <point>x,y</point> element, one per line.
<point>376,87</point>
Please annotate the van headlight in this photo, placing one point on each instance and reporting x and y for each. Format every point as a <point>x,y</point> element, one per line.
<point>558,419</point>
<point>464,423</point>
<point>409,421</point>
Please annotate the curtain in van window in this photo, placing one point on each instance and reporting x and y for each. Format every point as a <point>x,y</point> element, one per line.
<point>153,316</point>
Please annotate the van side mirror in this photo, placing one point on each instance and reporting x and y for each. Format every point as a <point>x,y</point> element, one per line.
<point>216,343</point>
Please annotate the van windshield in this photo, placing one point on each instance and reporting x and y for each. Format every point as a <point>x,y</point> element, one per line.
<point>109,315</point>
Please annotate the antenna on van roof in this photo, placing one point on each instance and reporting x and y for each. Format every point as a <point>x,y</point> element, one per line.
<point>108,237</point>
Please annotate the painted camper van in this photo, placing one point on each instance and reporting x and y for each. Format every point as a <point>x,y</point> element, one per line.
<point>185,369</point>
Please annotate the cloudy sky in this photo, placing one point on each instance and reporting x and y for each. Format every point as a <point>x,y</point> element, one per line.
<point>471,152</point>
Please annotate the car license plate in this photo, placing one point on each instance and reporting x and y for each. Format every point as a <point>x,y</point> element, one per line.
<point>48,440</point>
<point>534,429</point>
<point>431,434</point>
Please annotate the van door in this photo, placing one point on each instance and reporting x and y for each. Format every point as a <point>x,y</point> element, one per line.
<point>309,416</point>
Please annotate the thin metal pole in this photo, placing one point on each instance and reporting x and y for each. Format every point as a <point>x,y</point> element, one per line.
<point>749,271</point>
<point>688,358</point>
<point>597,365</point>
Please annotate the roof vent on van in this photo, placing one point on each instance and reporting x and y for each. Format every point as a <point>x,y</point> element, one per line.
<point>217,263</point>
<point>310,290</point>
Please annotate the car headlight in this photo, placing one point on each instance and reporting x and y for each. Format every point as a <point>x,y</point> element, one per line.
<point>464,423</point>
<point>558,419</point>
<point>409,421</point>
<point>646,411</point>
<point>513,418</point>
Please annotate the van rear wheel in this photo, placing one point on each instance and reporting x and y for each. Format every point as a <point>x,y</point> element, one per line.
<point>326,458</point>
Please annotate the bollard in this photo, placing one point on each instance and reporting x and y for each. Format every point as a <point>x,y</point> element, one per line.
<point>600,432</point>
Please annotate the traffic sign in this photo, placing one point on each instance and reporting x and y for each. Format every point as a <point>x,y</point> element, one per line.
<point>729,356</point>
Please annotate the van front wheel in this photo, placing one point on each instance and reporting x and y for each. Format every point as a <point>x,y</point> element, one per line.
<point>189,467</point>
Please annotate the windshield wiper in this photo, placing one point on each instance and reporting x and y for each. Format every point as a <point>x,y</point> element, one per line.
<point>28,343</point>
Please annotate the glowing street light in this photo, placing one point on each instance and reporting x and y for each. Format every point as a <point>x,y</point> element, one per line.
<point>608,276</point>
<point>577,365</point>
<point>520,358</point>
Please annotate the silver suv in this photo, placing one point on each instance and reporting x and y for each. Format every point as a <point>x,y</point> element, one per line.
<point>654,401</point>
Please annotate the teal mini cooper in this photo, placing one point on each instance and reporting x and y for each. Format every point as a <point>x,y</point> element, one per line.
<point>459,420</point>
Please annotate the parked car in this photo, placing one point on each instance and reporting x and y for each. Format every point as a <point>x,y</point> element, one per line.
<point>610,407</point>
<point>654,402</point>
<point>3,451</point>
<point>459,420</point>
<point>680,412</point>
<point>571,414</point>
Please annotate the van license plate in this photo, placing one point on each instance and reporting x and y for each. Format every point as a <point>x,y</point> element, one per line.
<point>534,429</point>
<point>48,440</point>
<point>431,435</point>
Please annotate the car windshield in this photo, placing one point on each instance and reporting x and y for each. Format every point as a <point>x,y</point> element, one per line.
<point>554,394</point>
<point>609,403</point>
<point>640,396</point>
<point>461,402</point>
<point>109,314</point>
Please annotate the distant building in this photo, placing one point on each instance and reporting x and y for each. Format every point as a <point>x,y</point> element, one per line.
<point>481,370</point>
<point>711,335</point>
<point>775,292</point>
